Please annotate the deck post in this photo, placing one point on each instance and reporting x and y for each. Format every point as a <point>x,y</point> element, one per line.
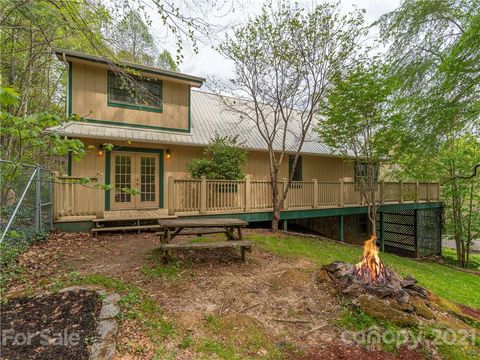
<point>341,189</point>
<point>428,191</point>
<point>382,191</point>
<point>285,202</point>
<point>382,239</point>
<point>401,192</point>
<point>315,193</point>
<point>56,195</point>
<point>100,197</point>
<point>415,222</point>
<point>203,195</point>
<point>171,195</point>
<point>341,232</point>
<point>417,192</point>
<point>285,225</point>
<point>248,194</point>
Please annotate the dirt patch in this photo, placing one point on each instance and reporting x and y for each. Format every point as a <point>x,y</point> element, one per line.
<point>211,304</point>
<point>56,326</point>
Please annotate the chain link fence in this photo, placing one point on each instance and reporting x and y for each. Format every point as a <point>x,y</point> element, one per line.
<point>26,207</point>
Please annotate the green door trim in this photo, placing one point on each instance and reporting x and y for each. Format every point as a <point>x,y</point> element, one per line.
<point>108,162</point>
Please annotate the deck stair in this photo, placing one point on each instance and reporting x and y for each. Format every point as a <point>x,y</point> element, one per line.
<point>138,224</point>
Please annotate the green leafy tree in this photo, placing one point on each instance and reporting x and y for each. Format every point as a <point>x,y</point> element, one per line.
<point>29,31</point>
<point>457,157</point>
<point>224,160</point>
<point>434,54</point>
<point>24,139</point>
<point>284,61</point>
<point>133,41</point>
<point>355,120</point>
<point>165,61</point>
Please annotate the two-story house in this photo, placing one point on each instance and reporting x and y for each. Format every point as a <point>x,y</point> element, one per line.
<point>155,137</point>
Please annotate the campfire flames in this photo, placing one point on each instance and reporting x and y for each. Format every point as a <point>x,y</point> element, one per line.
<point>371,269</point>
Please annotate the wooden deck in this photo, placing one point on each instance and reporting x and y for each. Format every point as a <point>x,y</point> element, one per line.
<point>188,197</point>
<point>119,215</point>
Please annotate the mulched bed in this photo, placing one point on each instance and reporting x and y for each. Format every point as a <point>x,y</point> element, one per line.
<point>55,326</point>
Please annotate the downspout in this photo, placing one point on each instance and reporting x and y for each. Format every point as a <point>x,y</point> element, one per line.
<point>68,83</point>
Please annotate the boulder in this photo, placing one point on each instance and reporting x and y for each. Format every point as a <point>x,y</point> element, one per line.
<point>382,309</point>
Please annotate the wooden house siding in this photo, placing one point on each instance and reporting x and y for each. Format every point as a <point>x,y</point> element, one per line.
<point>322,168</point>
<point>90,100</point>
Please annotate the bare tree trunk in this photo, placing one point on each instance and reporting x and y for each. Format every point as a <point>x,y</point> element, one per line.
<point>469,225</point>
<point>275,203</point>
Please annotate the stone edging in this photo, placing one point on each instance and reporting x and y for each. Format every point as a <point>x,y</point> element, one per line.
<point>105,346</point>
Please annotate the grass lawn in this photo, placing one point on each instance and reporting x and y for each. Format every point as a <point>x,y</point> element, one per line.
<point>456,286</point>
<point>450,257</point>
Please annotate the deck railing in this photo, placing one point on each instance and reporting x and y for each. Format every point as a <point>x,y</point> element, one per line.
<point>223,196</point>
<point>193,196</point>
<point>72,197</point>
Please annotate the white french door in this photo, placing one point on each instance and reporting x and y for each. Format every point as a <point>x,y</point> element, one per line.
<point>134,171</point>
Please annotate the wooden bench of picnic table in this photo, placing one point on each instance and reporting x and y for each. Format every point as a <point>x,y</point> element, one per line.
<point>171,228</point>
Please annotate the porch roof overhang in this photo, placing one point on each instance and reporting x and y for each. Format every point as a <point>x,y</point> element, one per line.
<point>91,130</point>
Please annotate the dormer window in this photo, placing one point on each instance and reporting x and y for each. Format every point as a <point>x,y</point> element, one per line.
<point>134,92</point>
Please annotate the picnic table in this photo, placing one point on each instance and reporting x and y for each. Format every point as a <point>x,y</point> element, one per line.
<point>171,228</point>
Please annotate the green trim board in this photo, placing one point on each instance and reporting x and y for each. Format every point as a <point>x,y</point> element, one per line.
<point>138,126</point>
<point>70,89</point>
<point>133,107</point>
<point>73,226</point>
<point>69,164</point>
<point>114,103</point>
<point>189,107</point>
<point>108,167</point>
<point>108,163</point>
<point>313,213</point>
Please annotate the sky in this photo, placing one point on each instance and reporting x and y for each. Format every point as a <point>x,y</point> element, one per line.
<point>209,63</point>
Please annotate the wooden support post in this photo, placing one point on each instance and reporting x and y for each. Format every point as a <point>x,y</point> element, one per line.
<point>285,225</point>
<point>56,195</point>
<point>285,202</point>
<point>240,233</point>
<point>415,222</point>
<point>382,233</point>
<point>417,192</point>
<point>315,193</point>
<point>171,195</point>
<point>341,189</point>
<point>341,230</point>
<point>428,191</point>
<point>248,194</point>
<point>382,192</point>
<point>100,197</point>
<point>203,195</point>
<point>401,192</point>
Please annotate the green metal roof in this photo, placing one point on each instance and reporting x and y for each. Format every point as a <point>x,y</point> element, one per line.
<point>63,53</point>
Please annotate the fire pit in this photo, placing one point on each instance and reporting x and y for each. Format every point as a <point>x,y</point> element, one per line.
<point>378,291</point>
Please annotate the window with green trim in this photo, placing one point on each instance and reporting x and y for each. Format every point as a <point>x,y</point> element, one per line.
<point>135,92</point>
<point>297,174</point>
